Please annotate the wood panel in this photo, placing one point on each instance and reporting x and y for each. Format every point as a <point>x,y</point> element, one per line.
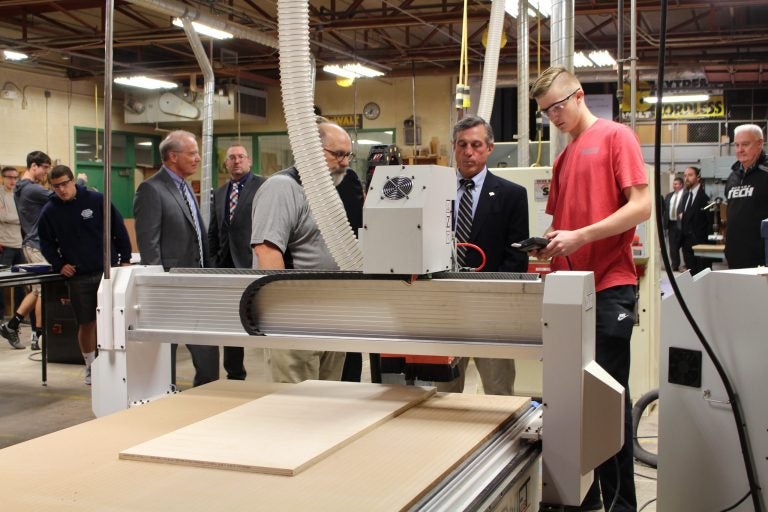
<point>285,432</point>
<point>387,469</point>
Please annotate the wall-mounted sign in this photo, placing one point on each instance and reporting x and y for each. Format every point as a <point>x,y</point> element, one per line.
<point>714,107</point>
<point>347,120</point>
<point>683,84</point>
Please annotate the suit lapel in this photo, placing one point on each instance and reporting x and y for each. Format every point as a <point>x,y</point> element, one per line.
<point>484,205</point>
<point>175,193</point>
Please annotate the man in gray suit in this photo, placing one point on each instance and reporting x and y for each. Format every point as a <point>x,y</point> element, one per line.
<point>170,230</point>
<point>229,233</point>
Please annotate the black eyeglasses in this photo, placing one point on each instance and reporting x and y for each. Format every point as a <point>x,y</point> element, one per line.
<point>59,185</point>
<point>340,155</point>
<point>557,106</point>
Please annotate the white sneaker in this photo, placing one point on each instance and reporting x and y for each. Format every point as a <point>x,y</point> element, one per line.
<point>35,341</point>
<point>87,375</point>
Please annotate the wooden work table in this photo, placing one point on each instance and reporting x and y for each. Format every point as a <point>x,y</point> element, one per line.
<point>387,468</point>
<point>710,251</point>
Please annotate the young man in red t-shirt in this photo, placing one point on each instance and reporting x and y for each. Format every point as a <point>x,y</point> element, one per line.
<point>599,194</point>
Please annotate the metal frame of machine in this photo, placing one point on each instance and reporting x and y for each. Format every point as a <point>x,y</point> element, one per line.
<point>143,309</point>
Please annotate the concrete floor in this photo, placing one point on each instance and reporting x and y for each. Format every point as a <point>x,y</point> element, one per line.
<point>29,410</point>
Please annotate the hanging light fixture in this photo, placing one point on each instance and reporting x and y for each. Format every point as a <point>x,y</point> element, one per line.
<point>11,55</point>
<point>596,59</point>
<point>344,82</point>
<point>144,82</point>
<point>677,98</point>
<point>541,8</point>
<point>352,71</point>
<point>205,30</point>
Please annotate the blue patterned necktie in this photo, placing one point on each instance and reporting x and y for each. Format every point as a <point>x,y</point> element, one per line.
<point>464,220</point>
<point>185,193</point>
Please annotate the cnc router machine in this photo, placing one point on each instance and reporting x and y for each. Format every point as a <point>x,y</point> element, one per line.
<point>444,452</point>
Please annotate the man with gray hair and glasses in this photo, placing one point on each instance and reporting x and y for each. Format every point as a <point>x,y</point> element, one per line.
<point>746,193</point>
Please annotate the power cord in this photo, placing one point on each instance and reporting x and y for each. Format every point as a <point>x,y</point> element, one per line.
<point>754,488</point>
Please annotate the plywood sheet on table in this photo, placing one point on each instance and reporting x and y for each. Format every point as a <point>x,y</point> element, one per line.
<point>285,432</point>
<point>387,469</point>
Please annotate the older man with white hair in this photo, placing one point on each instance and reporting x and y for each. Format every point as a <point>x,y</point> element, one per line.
<point>746,193</point>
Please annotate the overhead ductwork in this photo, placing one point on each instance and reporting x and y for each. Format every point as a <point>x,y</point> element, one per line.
<point>180,10</point>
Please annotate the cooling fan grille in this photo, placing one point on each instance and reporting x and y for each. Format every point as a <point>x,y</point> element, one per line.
<point>397,187</point>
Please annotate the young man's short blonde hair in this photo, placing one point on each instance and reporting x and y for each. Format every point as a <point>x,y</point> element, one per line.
<point>544,82</point>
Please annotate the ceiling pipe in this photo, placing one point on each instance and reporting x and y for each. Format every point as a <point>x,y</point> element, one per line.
<point>633,64</point>
<point>561,44</point>
<point>523,84</point>
<point>207,136</point>
<point>620,54</point>
<point>106,342</point>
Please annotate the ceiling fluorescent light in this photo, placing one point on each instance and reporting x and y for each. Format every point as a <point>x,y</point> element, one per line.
<point>543,6</point>
<point>582,61</point>
<point>535,7</point>
<point>144,82</point>
<point>11,55</point>
<point>596,59</point>
<point>352,71</point>
<point>204,29</point>
<point>680,98</point>
<point>602,58</point>
<point>364,71</point>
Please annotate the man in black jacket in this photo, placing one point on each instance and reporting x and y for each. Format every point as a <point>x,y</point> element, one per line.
<point>71,230</point>
<point>746,192</point>
<point>695,223</point>
<point>493,216</point>
<point>229,232</point>
<point>672,221</point>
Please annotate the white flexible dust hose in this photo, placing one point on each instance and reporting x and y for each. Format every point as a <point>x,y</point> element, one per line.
<point>207,133</point>
<point>298,107</point>
<point>491,65</point>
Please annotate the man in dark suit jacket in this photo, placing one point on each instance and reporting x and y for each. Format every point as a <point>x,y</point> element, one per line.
<point>672,221</point>
<point>229,233</point>
<point>695,223</point>
<point>170,231</point>
<point>499,218</point>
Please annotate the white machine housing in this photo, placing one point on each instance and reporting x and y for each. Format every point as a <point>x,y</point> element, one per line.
<point>700,461</point>
<point>408,220</point>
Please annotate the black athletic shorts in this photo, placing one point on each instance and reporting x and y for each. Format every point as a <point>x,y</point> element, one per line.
<point>82,296</point>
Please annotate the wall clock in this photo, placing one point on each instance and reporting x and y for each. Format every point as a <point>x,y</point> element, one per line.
<point>371,110</point>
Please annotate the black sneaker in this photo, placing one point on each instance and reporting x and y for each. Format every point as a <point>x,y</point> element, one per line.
<point>11,335</point>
